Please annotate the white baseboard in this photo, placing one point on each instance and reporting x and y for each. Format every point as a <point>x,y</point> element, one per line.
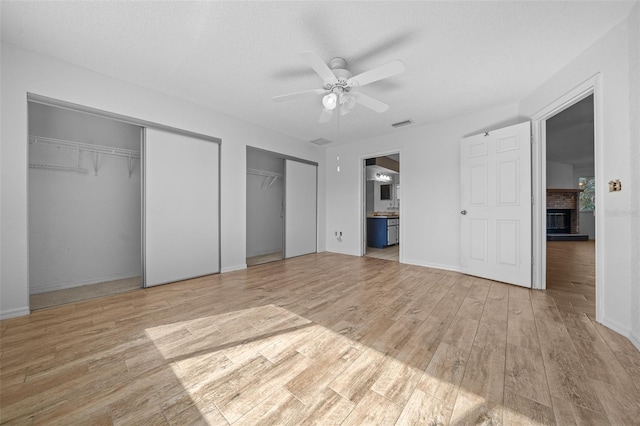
<point>348,253</point>
<point>622,330</point>
<point>12,313</point>
<point>233,268</point>
<point>431,265</point>
<point>635,340</point>
<point>408,262</point>
<point>615,326</point>
<point>62,286</point>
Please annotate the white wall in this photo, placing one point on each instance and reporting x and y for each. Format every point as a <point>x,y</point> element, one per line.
<point>265,225</point>
<point>588,224</point>
<point>430,201</point>
<point>83,228</point>
<point>370,196</point>
<point>24,71</point>
<point>560,175</point>
<point>617,294</point>
<point>634,160</point>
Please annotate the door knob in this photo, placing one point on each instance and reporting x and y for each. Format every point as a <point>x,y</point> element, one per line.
<point>463,212</point>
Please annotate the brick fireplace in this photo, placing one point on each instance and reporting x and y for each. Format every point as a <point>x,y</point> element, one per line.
<point>562,205</point>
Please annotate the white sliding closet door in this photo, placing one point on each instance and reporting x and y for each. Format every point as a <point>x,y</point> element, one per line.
<point>181,215</point>
<point>300,209</point>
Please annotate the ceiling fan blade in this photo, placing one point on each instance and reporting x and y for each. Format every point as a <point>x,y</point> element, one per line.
<point>325,115</point>
<point>297,95</point>
<point>371,103</point>
<point>318,65</point>
<point>383,71</point>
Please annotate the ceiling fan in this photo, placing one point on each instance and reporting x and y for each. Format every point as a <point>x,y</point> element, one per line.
<point>338,85</point>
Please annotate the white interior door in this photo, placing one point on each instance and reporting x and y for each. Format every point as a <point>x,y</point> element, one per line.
<point>181,226</point>
<point>300,229</point>
<point>496,205</point>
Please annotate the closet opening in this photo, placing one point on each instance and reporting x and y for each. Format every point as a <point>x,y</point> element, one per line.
<point>282,214</point>
<point>84,195</point>
<point>265,207</point>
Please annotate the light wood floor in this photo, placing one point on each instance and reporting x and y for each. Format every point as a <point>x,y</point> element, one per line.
<point>264,258</point>
<point>387,253</point>
<point>319,339</point>
<point>85,292</point>
<point>571,275</point>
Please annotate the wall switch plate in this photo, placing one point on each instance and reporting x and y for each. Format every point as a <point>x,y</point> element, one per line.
<point>615,185</point>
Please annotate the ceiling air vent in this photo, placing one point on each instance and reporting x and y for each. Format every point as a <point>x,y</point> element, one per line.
<point>402,123</point>
<point>321,141</point>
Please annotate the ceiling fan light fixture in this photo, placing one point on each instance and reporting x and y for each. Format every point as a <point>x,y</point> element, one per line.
<point>338,83</point>
<point>383,177</point>
<point>330,101</point>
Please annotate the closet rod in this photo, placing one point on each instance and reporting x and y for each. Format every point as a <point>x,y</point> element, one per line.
<point>98,149</point>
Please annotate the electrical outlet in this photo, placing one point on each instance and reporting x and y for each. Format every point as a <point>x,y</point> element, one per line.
<point>615,185</point>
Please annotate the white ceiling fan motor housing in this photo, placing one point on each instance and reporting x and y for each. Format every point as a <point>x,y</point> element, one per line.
<point>338,68</point>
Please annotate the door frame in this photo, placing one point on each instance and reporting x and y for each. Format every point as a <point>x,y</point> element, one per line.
<point>591,86</point>
<point>363,200</point>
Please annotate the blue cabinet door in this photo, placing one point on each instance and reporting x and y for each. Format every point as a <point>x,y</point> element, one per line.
<point>377,232</point>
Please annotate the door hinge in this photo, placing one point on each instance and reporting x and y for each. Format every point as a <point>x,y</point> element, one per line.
<point>533,200</point>
<point>532,260</point>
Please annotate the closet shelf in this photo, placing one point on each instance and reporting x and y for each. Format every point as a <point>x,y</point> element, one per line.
<point>57,167</point>
<point>263,173</point>
<point>269,177</point>
<point>87,147</point>
<point>82,147</point>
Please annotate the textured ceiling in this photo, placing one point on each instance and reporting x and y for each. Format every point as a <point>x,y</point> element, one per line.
<point>233,57</point>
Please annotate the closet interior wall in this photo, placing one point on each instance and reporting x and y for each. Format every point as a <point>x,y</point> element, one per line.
<point>85,216</point>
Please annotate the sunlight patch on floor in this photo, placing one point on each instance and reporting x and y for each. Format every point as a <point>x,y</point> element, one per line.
<point>269,364</point>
